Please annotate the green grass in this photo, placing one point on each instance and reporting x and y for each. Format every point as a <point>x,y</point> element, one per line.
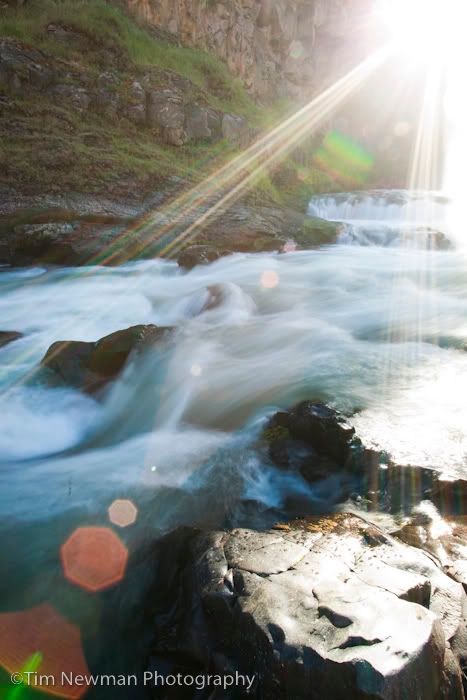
<point>84,154</point>
<point>112,29</point>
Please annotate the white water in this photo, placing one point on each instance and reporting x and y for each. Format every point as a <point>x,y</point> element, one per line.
<point>368,328</point>
<point>388,217</point>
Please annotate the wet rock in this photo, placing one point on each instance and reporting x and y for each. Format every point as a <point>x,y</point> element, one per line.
<point>197,255</point>
<point>319,608</point>
<point>7,337</point>
<point>90,366</point>
<point>451,496</point>
<point>320,427</point>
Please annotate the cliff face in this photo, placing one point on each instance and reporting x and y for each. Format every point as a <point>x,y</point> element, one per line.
<point>277,47</point>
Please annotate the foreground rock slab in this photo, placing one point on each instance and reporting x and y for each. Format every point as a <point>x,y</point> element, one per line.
<point>90,366</point>
<point>328,608</point>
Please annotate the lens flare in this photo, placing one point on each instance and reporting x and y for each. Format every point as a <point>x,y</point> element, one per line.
<point>94,558</point>
<point>39,642</point>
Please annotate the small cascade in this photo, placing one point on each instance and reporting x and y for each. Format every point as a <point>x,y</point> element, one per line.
<point>388,218</point>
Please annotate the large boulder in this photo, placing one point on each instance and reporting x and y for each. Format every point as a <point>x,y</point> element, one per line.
<point>91,366</point>
<point>319,608</point>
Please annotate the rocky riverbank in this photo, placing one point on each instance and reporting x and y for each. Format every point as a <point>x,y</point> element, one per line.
<point>82,229</point>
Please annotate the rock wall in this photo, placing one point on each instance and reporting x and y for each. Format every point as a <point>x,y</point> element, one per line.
<point>277,47</point>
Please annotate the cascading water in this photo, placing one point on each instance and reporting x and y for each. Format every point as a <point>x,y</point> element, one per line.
<point>377,330</point>
<point>388,217</point>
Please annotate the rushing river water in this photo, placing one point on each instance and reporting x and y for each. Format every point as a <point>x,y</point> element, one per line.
<point>376,324</point>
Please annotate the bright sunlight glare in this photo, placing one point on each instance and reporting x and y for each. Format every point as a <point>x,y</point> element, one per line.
<point>427,29</point>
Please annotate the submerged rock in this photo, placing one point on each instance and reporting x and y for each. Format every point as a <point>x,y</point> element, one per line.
<point>7,337</point>
<point>319,608</point>
<point>90,366</point>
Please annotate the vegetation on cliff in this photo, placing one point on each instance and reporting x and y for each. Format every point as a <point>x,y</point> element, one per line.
<point>76,81</point>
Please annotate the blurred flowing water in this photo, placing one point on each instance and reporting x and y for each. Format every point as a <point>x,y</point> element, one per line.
<point>377,327</point>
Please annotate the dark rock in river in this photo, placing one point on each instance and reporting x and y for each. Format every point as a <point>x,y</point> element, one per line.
<point>90,366</point>
<point>198,255</point>
<point>319,608</point>
<point>451,496</point>
<point>327,432</point>
<point>8,337</point>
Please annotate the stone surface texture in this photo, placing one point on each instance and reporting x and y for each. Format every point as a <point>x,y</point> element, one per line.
<point>327,607</point>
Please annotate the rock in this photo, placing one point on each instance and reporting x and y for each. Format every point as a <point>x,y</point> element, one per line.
<point>90,366</point>
<point>316,232</point>
<point>444,539</point>
<point>197,255</point>
<point>197,124</point>
<point>234,128</point>
<point>22,67</point>
<point>451,496</point>
<point>135,113</point>
<point>166,110</point>
<point>33,242</point>
<point>136,110</point>
<point>7,337</point>
<point>106,102</point>
<point>214,123</point>
<point>321,608</point>
<point>72,96</point>
<point>175,136</point>
<point>320,427</point>
<point>77,229</point>
<point>434,240</point>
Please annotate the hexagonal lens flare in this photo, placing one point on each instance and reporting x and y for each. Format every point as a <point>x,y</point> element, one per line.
<point>40,643</point>
<point>123,512</point>
<point>94,558</point>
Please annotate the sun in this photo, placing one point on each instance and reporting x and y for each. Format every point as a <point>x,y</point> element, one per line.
<point>425,29</point>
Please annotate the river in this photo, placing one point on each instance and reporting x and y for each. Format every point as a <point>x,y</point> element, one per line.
<point>375,325</point>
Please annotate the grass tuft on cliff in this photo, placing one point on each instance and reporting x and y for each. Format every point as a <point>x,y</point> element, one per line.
<point>112,29</point>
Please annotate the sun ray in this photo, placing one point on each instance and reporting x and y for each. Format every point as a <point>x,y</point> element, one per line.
<point>223,187</point>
